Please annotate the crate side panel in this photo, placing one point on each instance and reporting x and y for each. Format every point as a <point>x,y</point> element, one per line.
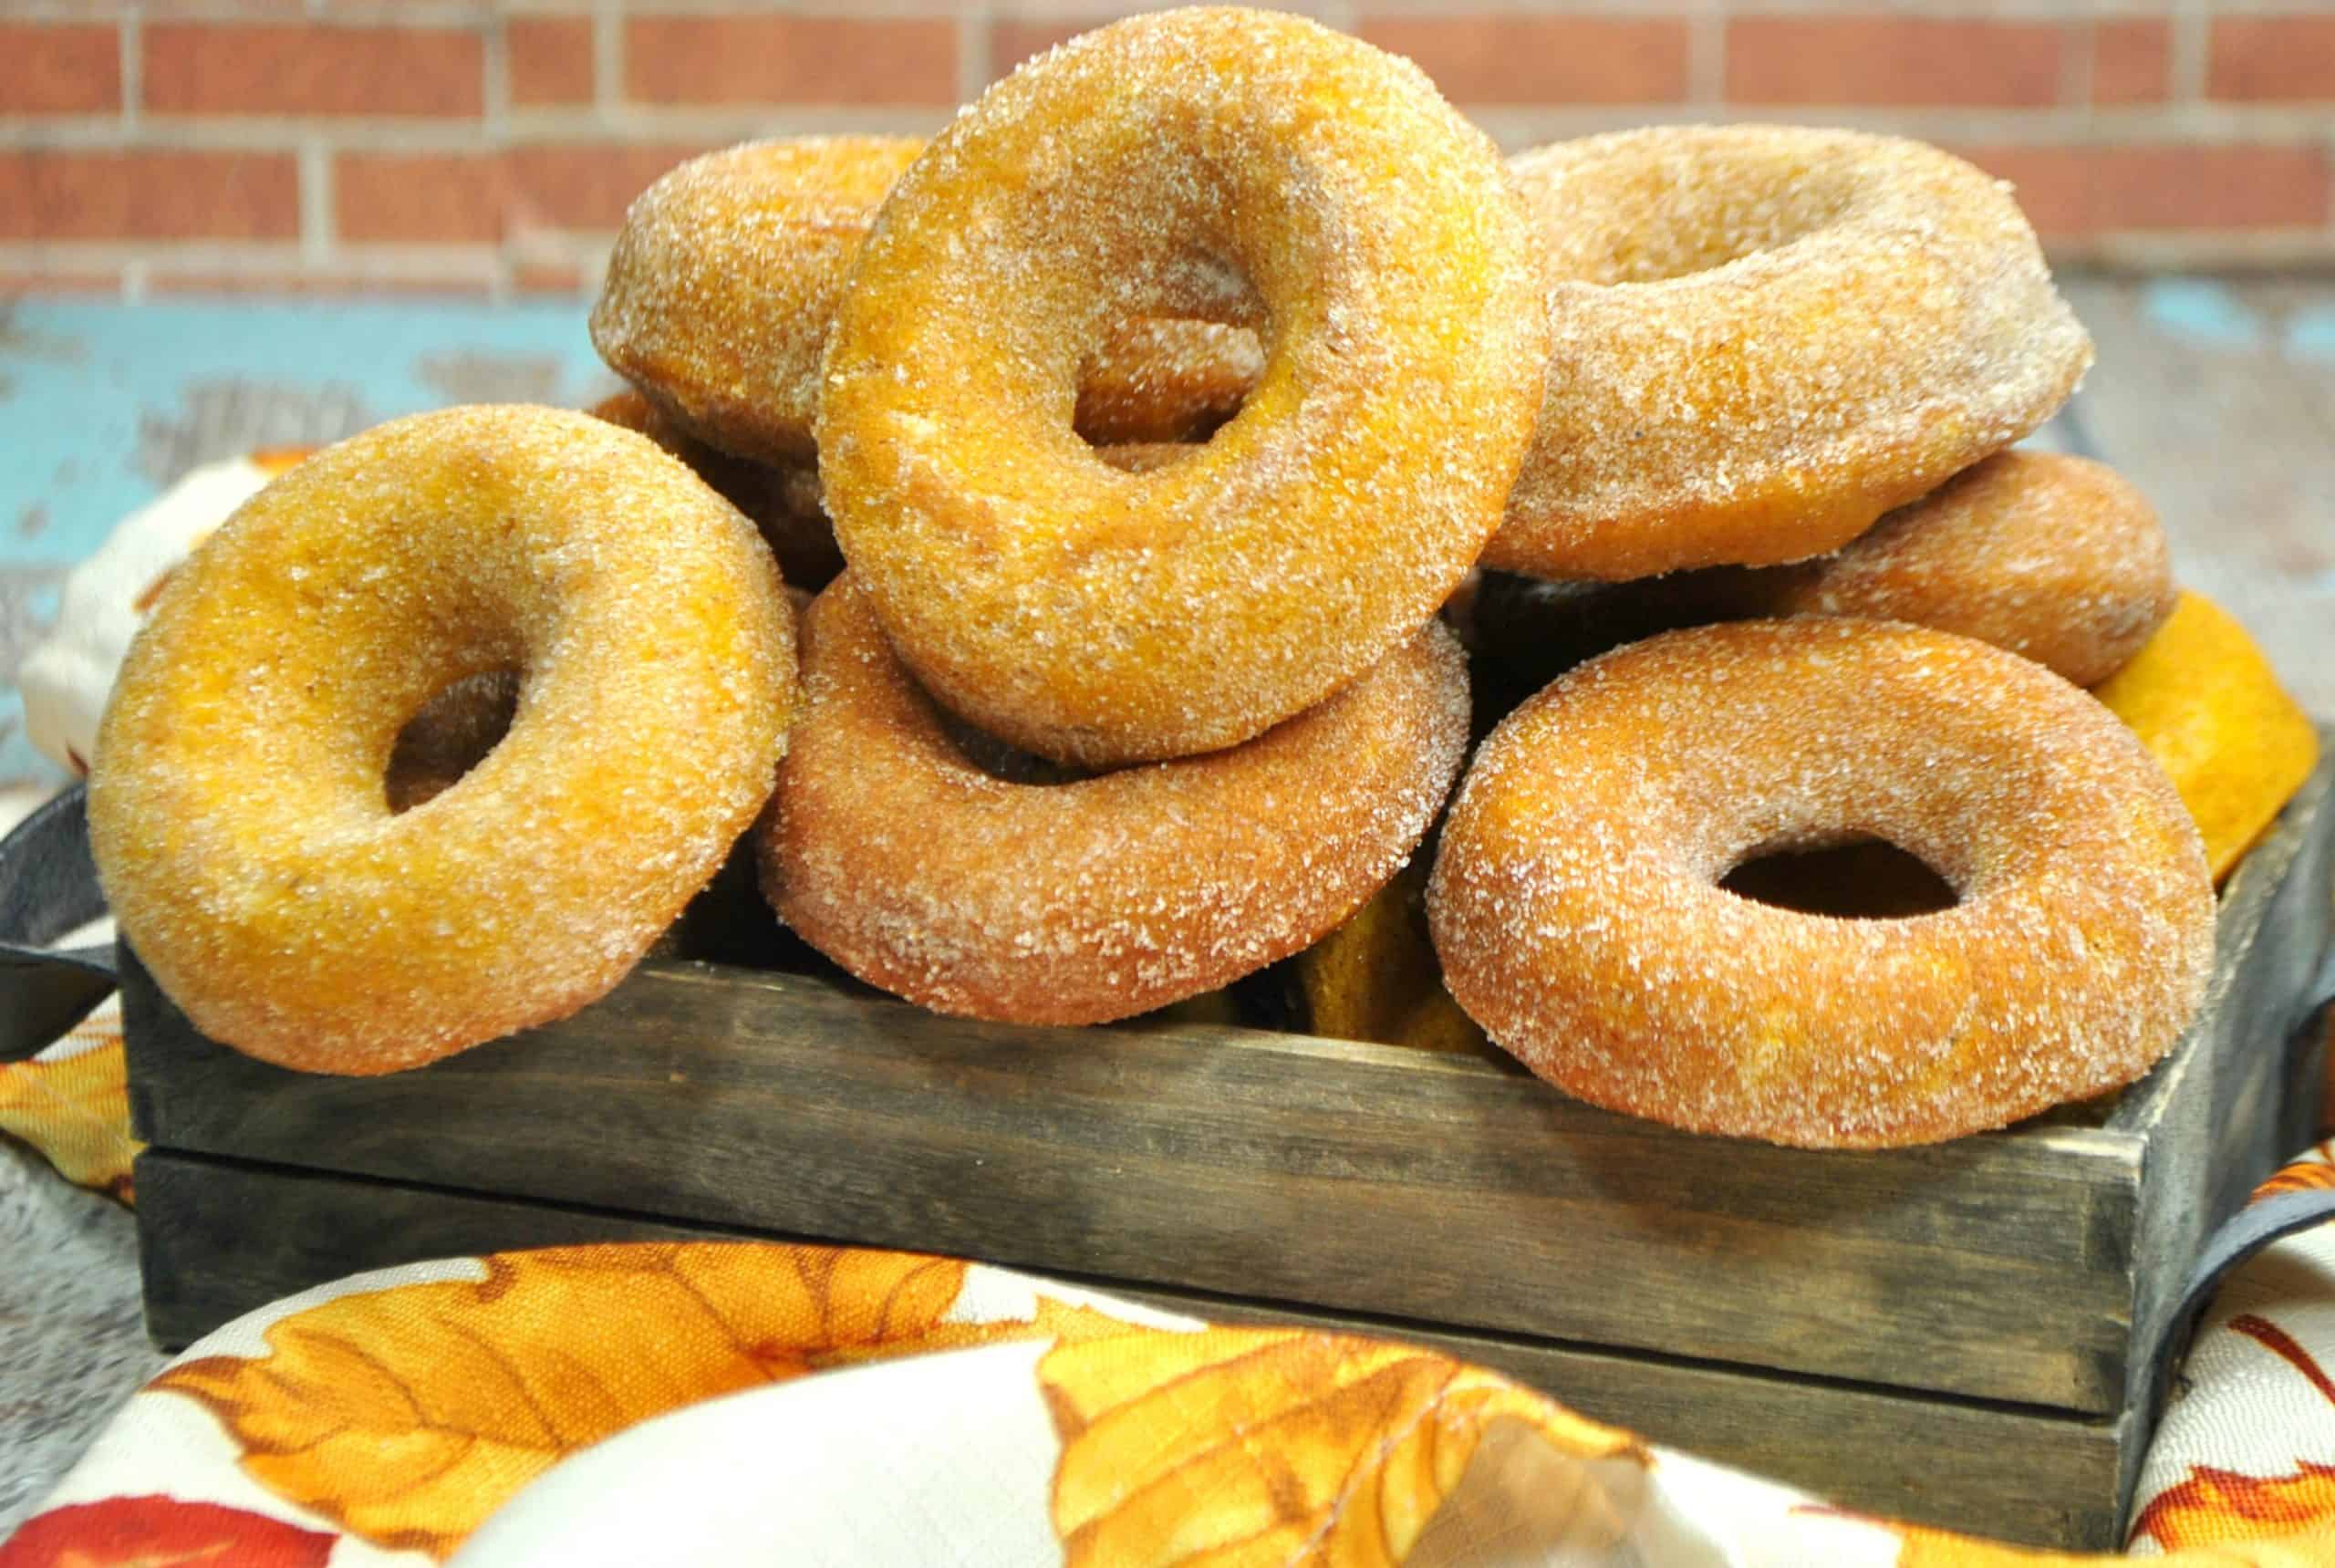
<point>1364,1178</point>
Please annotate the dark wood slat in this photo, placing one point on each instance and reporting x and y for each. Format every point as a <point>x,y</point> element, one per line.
<point>221,1239</point>
<point>1314,1173</point>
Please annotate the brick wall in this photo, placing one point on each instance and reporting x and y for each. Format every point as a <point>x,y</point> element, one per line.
<point>153,146</point>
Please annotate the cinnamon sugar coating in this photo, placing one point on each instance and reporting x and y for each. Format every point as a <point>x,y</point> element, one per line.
<point>1576,908</point>
<point>238,810</point>
<point>890,848</point>
<point>2055,558</point>
<point>780,499</point>
<point>1164,165</point>
<point>722,288</point>
<point>1762,338</point>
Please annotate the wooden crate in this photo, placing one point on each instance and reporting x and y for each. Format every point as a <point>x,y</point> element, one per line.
<point>1961,1335</point>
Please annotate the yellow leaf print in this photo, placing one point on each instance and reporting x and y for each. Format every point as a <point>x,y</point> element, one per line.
<point>1273,1445</point>
<point>75,1109</point>
<point>408,1415</point>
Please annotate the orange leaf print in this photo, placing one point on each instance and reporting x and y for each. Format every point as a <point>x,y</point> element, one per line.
<point>1239,1446</point>
<point>75,1109</point>
<point>410,1414</point>
<point>2214,1507</point>
<point>2302,1175</point>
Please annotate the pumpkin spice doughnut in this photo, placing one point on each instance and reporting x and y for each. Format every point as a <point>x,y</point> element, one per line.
<point>1576,906</point>
<point>781,499</point>
<point>237,805</point>
<point>1099,617</point>
<point>2055,558</point>
<point>722,287</point>
<point>900,847</point>
<point>2206,703</point>
<point>1762,338</point>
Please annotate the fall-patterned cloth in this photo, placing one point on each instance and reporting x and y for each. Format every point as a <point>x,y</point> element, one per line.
<point>450,1410</point>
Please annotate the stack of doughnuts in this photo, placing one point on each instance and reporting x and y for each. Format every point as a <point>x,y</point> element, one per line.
<point>1194,450</point>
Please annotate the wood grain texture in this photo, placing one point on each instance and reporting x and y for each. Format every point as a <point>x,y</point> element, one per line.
<point>221,1239</point>
<point>1311,1172</point>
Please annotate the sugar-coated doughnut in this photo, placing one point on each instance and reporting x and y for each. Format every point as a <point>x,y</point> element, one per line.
<point>237,805</point>
<point>1762,338</point>
<point>895,846</point>
<point>2209,707</point>
<point>1374,977</point>
<point>721,289</point>
<point>1099,617</point>
<point>781,499</point>
<point>1575,901</point>
<point>2055,558</point>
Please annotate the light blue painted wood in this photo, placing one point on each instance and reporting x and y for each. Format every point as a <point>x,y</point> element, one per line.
<point>105,404</point>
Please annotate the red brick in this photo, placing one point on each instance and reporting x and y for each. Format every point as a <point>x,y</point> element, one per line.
<point>2077,191</point>
<point>2271,59</point>
<point>434,198</point>
<point>2131,61</point>
<point>790,59</point>
<point>58,194</point>
<point>194,69</point>
<point>1012,40</point>
<point>278,280</point>
<point>550,60</point>
<point>1509,59</point>
<point>575,186</point>
<point>60,69</point>
<point>81,280</point>
<point>1891,61</point>
<point>418,197</point>
<point>547,277</point>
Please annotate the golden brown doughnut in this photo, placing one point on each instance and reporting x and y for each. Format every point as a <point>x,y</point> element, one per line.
<point>907,859</point>
<point>722,285</point>
<point>237,805</point>
<point>780,499</point>
<point>1577,909</point>
<point>2055,558</point>
<point>2205,701</point>
<point>1099,617</point>
<point>1762,338</point>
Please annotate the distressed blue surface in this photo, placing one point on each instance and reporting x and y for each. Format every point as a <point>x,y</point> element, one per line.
<point>104,403</point>
<point>79,381</point>
<point>2200,310</point>
<point>2311,332</point>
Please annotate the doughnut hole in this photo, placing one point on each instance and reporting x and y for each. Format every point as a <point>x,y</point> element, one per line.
<point>452,733</point>
<point>1864,879</point>
<point>1169,383</point>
